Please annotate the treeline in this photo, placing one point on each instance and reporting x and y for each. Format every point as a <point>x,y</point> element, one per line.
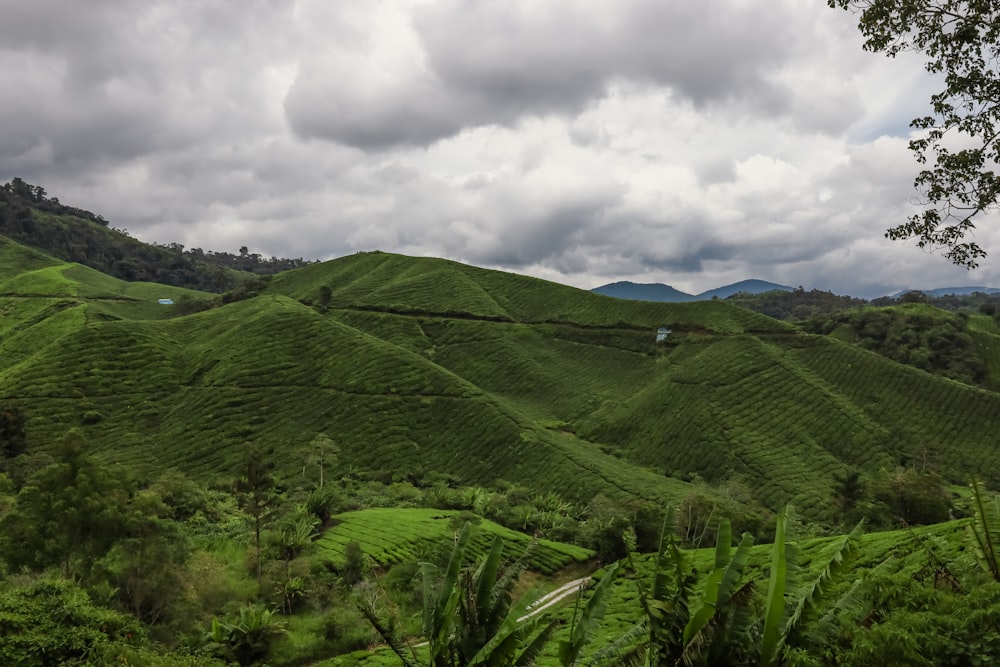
<point>799,305</point>
<point>924,331</point>
<point>796,305</point>
<point>932,340</point>
<point>28,215</point>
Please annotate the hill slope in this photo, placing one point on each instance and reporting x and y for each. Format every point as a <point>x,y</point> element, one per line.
<point>415,365</point>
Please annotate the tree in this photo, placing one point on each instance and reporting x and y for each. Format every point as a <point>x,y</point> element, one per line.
<point>54,622</point>
<point>961,39</point>
<point>146,563</point>
<point>257,496</point>
<point>681,625</point>
<point>319,453</point>
<point>68,514</point>
<point>720,625</point>
<point>325,294</point>
<point>13,437</point>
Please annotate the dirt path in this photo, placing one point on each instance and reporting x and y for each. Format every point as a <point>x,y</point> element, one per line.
<point>549,599</point>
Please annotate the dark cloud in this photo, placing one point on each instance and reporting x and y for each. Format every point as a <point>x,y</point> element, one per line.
<point>105,82</point>
<point>495,63</point>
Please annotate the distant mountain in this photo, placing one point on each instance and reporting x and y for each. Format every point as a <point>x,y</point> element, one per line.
<point>947,291</point>
<point>661,292</point>
<point>643,292</point>
<point>745,287</point>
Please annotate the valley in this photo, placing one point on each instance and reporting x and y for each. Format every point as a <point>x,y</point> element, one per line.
<point>425,394</point>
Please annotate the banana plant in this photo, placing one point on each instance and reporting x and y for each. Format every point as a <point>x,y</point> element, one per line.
<point>680,625</point>
<point>721,625</point>
<point>470,617</point>
<point>722,614</point>
<point>785,620</point>
<point>585,620</point>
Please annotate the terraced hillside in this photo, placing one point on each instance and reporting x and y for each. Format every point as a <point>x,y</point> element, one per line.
<point>390,535</point>
<point>428,365</point>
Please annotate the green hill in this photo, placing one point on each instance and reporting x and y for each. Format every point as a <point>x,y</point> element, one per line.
<point>28,215</point>
<point>415,365</point>
<point>385,282</point>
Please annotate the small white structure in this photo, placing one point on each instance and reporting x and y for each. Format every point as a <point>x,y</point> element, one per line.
<point>662,333</point>
<point>165,302</point>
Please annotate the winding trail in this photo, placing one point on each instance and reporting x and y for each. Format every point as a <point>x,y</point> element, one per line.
<point>553,597</point>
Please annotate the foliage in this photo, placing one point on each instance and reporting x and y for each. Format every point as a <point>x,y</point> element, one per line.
<point>719,622</point>
<point>911,496</point>
<point>13,436</point>
<point>146,563</point>
<point>52,622</point>
<point>916,620</point>
<point>29,215</point>
<point>586,617</point>
<point>355,565</point>
<point>256,492</point>
<point>961,40</point>
<point>985,529</point>
<point>246,637</point>
<point>795,305</point>
<point>927,338</point>
<point>469,616</point>
<point>682,624</point>
<point>68,514</point>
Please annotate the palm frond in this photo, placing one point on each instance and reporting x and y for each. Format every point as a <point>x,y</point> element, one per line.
<point>440,619</point>
<point>719,584</point>
<point>390,635</point>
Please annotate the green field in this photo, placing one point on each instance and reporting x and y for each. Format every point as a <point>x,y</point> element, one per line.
<point>497,377</point>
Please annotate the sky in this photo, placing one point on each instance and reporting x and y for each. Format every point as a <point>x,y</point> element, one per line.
<point>694,144</point>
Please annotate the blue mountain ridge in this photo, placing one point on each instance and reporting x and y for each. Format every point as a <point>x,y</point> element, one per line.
<point>945,291</point>
<point>660,292</point>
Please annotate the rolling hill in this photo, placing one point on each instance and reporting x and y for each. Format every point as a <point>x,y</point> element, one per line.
<point>416,364</point>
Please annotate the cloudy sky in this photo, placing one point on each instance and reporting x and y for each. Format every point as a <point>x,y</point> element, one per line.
<point>583,141</point>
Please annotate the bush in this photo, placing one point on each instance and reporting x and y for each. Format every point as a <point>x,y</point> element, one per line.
<point>91,417</point>
<point>52,622</point>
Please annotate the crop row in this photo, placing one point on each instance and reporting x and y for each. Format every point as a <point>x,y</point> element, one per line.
<point>392,535</point>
